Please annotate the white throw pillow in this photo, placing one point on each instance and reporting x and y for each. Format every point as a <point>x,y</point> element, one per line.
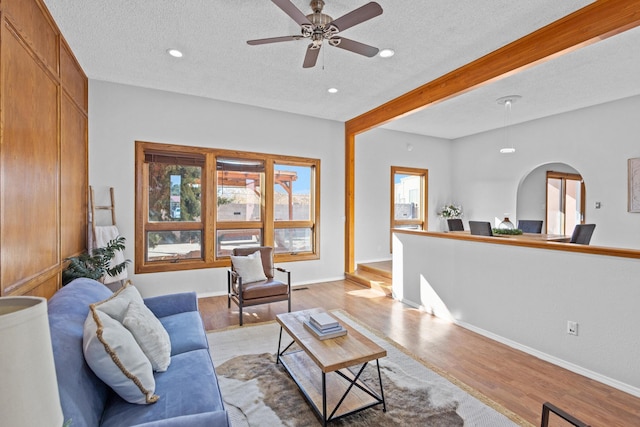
<point>150,335</point>
<point>249,267</point>
<point>116,305</point>
<point>116,358</point>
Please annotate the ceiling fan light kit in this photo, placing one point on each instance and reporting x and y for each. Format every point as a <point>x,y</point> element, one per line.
<point>318,27</point>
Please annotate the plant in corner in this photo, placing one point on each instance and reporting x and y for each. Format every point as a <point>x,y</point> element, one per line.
<point>97,264</point>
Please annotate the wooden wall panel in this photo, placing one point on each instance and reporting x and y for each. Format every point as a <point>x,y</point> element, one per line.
<point>73,178</point>
<point>72,78</point>
<point>43,151</point>
<point>29,177</point>
<point>44,289</point>
<point>36,27</point>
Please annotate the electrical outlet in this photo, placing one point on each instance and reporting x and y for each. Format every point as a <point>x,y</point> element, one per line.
<point>572,327</point>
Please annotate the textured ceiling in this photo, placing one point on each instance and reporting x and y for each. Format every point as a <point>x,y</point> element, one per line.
<point>125,41</point>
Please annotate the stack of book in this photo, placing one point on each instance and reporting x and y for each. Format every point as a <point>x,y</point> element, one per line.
<point>323,326</point>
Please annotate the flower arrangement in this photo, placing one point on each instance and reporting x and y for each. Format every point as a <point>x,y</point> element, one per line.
<point>450,211</point>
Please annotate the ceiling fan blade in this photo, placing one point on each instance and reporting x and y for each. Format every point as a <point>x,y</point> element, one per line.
<point>354,46</point>
<point>356,16</point>
<point>311,57</point>
<point>273,40</point>
<point>290,9</point>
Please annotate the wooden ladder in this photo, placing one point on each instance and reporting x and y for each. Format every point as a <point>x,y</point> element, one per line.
<point>111,207</point>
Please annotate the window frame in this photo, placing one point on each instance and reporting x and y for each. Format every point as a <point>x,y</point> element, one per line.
<point>314,204</point>
<point>424,193</point>
<point>564,176</point>
<point>209,224</point>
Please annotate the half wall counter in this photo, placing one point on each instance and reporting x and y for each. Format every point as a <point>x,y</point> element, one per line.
<point>523,292</point>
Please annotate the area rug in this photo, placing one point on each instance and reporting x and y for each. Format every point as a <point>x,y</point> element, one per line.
<point>257,392</point>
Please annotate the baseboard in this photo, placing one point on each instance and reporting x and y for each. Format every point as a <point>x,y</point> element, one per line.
<point>634,391</point>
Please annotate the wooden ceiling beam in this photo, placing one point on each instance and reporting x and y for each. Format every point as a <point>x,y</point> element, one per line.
<point>595,22</point>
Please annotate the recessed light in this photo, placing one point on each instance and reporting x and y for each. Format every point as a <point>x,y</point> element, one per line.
<point>387,53</point>
<point>175,53</point>
<point>332,90</point>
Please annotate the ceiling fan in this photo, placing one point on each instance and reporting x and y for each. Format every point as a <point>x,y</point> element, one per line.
<point>318,27</point>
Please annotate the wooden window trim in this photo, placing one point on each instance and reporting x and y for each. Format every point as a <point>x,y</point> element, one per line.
<point>424,208</point>
<point>207,158</point>
<point>564,176</point>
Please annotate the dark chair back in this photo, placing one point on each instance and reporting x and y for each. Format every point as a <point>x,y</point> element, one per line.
<point>582,234</point>
<point>530,225</point>
<point>480,228</point>
<point>455,224</point>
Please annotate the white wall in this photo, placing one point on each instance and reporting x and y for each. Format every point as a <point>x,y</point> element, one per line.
<point>120,115</point>
<point>524,297</point>
<point>376,151</point>
<point>596,141</point>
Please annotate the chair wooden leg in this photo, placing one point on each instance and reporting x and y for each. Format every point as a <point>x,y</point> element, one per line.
<point>240,311</point>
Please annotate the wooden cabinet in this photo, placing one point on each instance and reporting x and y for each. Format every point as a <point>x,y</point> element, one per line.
<point>43,151</point>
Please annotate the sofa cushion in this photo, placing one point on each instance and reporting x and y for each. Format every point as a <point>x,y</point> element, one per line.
<point>116,358</point>
<point>249,267</point>
<point>149,334</point>
<point>189,387</point>
<point>186,332</point>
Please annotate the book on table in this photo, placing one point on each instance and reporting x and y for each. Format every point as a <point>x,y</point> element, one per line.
<point>326,334</point>
<point>323,321</point>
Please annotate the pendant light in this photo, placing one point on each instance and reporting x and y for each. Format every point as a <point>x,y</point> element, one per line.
<point>508,102</point>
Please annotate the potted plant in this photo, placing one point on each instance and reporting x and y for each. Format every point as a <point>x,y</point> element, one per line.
<point>97,264</point>
<point>450,211</point>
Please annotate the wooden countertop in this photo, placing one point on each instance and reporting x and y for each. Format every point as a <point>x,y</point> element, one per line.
<point>526,241</point>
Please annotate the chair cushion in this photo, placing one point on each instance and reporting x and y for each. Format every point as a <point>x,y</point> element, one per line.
<point>249,267</point>
<point>267,288</point>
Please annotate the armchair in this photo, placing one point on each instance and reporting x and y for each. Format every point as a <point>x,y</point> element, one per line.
<point>259,289</point>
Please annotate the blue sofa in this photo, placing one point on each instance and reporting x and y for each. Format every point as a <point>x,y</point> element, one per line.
<point>188,390</point>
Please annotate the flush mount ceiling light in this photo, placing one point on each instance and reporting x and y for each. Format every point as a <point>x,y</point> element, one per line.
<point>332,90</point>
<point>175,53</point>
<point>508,102</point>
<point>387,53</point>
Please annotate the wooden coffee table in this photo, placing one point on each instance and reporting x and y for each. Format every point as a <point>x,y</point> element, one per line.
<point>342,393</point>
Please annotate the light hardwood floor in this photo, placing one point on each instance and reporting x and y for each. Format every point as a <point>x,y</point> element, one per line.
<point>516,380</point>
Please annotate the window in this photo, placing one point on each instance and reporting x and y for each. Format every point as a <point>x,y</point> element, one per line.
<point>409,198</point>
<point>239,184</point>
<point>293,207</point>
<point>174,225</point>
<point>565,202</point>
<point>194,205</point>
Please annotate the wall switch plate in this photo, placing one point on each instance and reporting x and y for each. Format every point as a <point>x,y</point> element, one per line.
<point>572,327</point>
